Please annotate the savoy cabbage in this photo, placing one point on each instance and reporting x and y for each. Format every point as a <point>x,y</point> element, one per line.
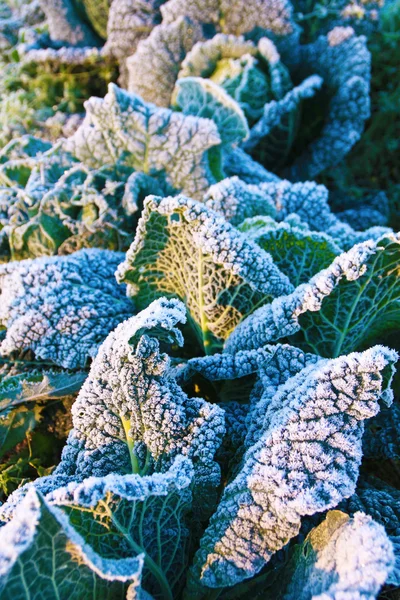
<point>198,344</point>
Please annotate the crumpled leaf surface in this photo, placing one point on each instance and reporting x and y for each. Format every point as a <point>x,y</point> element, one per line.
<point>61,308</point>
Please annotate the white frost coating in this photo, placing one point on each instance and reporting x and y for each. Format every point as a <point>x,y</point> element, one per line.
<point>18,535</point>
<point>345,68</point>
<point>352,561</point>
<point>234,16</point>
<point>133,488</point>
<point>237,201</point>
<point>64,55</point>
<point>154,67</point>
<point>280,318</point>
<point>65,24</point>
<point>305,461</point>
<point>219,367</point>
<point>382,503</point>
<point>284,363</point>
<point>338,35</point>
<point>130,404</point>
<point>239,163</point>
<point>61,307</point>
<point>157,141</point>
<point>129,21</point>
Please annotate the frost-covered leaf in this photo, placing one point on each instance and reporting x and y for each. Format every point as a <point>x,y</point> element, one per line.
<point>282,362</point>
<point>61,308</point>
<point>343,308</point>
<point>239,163</point>
<point>344,63</point>
<point>203,98</point>
<point>65,24</point>
<point>253,195</point>
<point>156,141</point>
<point>59,206</point>
<point>305,461</point>
<point>125,515</point>
<point>129,21</point>
<point>342,557</point>
<point>154,67</point>
<point>382,502</point>
<point>183,249</point>
<point>137,188</point>
<point>42,554</point>
<point>132,417</point>
<point>297,251</point>
<point>237,201</point>
<point>234,17</point>
<point>24,147</point>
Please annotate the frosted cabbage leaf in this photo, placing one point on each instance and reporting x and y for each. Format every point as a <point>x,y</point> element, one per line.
<point>61,308</point>
<point>305,461</point>
<point>41,553</point>
<point>161,143</point>
<point>183,249</point>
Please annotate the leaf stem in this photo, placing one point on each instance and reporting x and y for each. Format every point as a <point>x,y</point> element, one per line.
<point>126,424</point>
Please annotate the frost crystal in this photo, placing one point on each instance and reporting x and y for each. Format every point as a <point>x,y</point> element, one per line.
<point>61,308</point>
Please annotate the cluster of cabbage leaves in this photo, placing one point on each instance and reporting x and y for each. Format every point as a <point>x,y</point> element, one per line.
<point>233,393</point>
<point>226,344</point>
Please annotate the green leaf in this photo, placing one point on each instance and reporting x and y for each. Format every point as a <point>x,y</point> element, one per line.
<point>182,249</point>
<point>16,425</point>
<point>41,553</point>
<point>272,137</point>
<point>345,307</point>
<point>203,98</point>
<point>38,386</point>
<point>358,311</point>
<point>128,515</point>
<point>304,459</point>
<point>132,417</point>
<point>97,12</point>
<point>297,251</point>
